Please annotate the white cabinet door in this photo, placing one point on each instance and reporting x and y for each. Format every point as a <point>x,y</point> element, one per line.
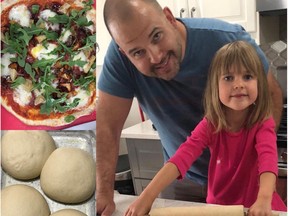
<point>242,12</point>
<point>187,8</point>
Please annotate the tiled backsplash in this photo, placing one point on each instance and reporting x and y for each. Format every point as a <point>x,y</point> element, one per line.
<point>276,53</point>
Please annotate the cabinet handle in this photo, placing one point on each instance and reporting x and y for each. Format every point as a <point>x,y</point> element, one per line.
<point>193,9</point>
<point>181,12</point>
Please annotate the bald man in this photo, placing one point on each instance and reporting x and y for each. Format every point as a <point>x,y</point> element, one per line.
<point>163,62</point>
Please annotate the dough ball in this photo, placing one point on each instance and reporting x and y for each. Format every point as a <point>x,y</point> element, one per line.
<point>68,212</point>
<point>68,175</point>
<point>23,200</point>
<point>24,153</point>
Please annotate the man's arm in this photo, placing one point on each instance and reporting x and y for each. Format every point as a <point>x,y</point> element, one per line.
<point>111,115</point>
<point>277,97</point>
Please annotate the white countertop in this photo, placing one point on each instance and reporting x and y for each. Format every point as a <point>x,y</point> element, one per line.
<point>143,130</point>
<point>123,201</point>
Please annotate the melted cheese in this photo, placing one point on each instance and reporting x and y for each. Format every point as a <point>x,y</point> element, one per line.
<point>22,96</point>
<point>20,14</point>
<point>45,14</point>
<point>81,56</point>
<point>90,17</point>
<point>65,35</point>
<point>82,95</point>
<point>40,52</point>
<point>5,62</point>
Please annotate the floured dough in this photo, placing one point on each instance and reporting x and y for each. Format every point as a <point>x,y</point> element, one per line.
<point>24,153</point>
<point>68,212</point>
<point>23,200</point>
<point>68,175</point>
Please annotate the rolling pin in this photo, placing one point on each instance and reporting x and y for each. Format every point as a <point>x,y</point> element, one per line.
<point>232,210</point>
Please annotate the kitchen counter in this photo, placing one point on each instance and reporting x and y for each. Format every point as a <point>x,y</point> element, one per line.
<point>143,130</point>
<point>123,201</point>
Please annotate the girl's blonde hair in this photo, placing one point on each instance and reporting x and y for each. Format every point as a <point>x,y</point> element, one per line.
<point>236,54</point>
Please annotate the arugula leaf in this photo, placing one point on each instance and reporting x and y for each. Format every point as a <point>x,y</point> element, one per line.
<point>90,41</point>
<point>33,30</point>
<point>21,61</point>
<point>63,19</point>
<point>83,21</point>
<point>69,50</point>
<point>35,9</point>
<point>29,70</point>
<point>25,37</point>
<point>57,105</point>
<point>88,3</point>
<point>84,81</point>
<point>44,63</point>
<point>72,63</point>
<point>50,35</point>
<point>74,13</point>
<point>46,108</point>
<point>69,118</point>
<point>18,81</point>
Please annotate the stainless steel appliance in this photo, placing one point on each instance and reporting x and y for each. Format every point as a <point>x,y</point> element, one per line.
<point>276,53</point>
<point>268,5</point>
<point>272,20</point>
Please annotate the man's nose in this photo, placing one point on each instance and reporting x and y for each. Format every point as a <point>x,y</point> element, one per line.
<point>155,54</point>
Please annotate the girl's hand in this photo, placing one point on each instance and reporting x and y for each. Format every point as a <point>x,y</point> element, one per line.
<point>139,207</point>
<point>260,208</point>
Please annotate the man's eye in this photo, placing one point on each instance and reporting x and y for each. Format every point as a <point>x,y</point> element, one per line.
<point>138,53</point>
<point>157,37</point>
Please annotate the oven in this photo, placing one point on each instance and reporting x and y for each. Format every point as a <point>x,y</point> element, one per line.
<point>282,130</point>
<point>282,155</point>
<point>278,65</point>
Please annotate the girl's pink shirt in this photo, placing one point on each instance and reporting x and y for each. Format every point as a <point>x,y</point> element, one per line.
<point>237,160</point>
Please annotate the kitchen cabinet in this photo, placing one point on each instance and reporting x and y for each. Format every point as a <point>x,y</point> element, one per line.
<point>144,152</point>
<point>242,12</point>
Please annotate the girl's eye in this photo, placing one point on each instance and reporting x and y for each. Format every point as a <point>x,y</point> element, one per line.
<point>248,77</point>
<point>228,78</point>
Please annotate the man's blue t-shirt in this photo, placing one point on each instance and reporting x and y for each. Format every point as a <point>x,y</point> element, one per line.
<point>175,106</point>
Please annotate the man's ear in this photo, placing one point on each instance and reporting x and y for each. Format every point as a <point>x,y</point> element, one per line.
<point>122,51</point>
<point>169,16</point>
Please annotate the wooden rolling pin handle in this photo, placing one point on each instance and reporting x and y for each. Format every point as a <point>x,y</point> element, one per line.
<point>235,210</point>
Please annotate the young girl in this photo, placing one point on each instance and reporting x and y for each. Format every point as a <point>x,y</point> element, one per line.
<point>238,129</point>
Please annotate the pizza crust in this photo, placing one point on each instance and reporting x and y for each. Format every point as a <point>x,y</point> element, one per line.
<point>53,122</point>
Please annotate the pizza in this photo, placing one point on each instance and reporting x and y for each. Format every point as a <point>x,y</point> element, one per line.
<point>48,60</point>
